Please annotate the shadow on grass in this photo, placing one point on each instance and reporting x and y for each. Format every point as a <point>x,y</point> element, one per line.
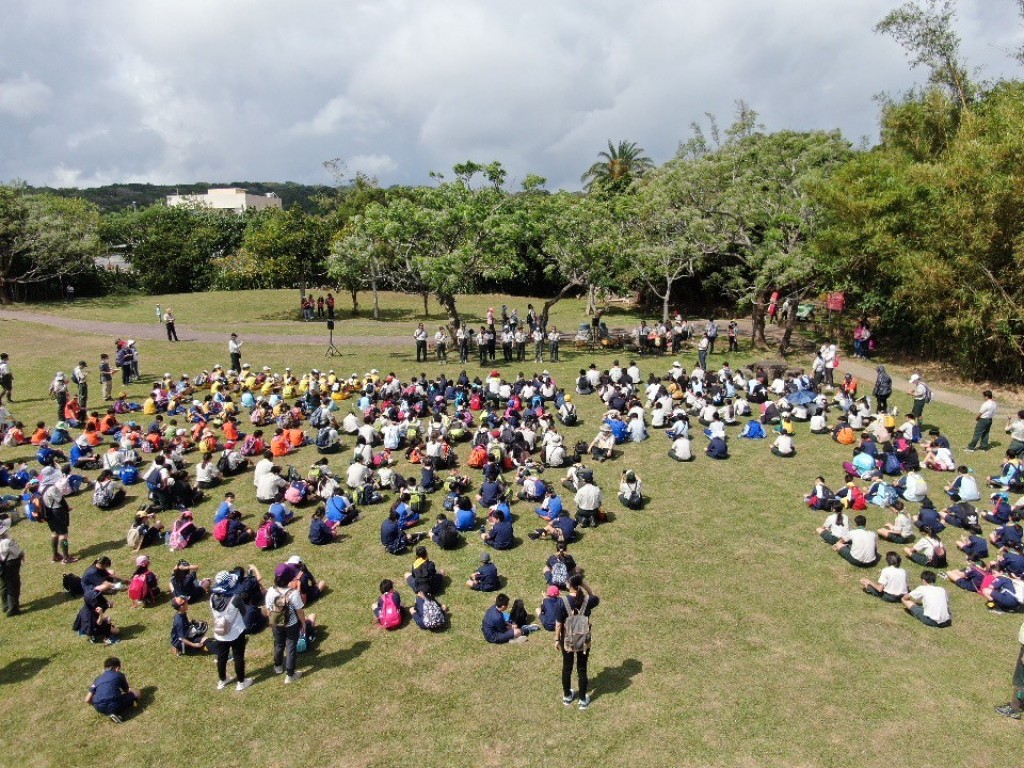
<point>45,603</point>
<point>131,631</point>
<point>97,549</point>
<point>20,670</point>
<point>612,680</point>
<point>337,658</point>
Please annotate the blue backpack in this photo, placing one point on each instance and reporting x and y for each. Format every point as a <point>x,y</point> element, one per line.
<point>892,465</point>
<point>753,431</point>
<point>129,475</point>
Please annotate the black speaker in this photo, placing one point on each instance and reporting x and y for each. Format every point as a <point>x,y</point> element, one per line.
<point>330,325</point>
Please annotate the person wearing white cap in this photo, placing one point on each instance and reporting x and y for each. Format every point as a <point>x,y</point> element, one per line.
<point>921,394</point>
<point>11,558</point>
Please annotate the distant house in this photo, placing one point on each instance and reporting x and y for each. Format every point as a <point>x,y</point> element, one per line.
<point>227,199</point>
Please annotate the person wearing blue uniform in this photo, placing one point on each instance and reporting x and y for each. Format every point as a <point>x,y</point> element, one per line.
<point>110,694</point>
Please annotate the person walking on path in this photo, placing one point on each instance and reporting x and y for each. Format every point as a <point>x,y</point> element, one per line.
<point>1012,709</point>
<point>235,351</point>
<point>573,638</point>
<point>172,335</point>
<point>883,389</point>
<point>983,422</point>
<point>11,558</point>
<point>921,394</point>
<point>6,379</point>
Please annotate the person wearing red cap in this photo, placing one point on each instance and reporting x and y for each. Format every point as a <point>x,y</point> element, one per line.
<point>548,610</point>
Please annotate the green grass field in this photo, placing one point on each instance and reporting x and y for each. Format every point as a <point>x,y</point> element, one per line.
<point>728,634</point>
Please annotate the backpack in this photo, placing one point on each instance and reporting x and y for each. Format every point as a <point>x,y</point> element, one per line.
<point>390,614</point>
<point>754,430</point>
<point>845,436</point>
<point>129,474</point>
<point>224,620</point>
<point>927,393</point>
<point>432,616</point>
<point>576,637</point>
<point>153,481</point>
<point>368,495</point>
<point>323,437</point>
<point>634,499</point>
<point>319,420</point>
<point>559,573</point>
<point>134,538</point>
<point>224,464</point>
<point>265,536</point>
<point>892,465</point>
<point>138,588</point>
<point>417,502</point>
<point>569,419</point>
<point>478,457</point>
<point>280,609</point>
<point>73,585</point>
<point>176,541</point>
<point>450,501</point>
<point>448,536</point>
<point>220,530</point>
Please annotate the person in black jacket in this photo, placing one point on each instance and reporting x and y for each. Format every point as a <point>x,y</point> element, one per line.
<point>425,577</point>
<point>882,390</point>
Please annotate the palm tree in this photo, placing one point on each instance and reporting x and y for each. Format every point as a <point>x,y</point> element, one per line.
<point>617,167</point>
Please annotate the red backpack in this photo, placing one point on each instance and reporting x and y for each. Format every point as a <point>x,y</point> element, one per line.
<point>860,502</point>
<point>264,540</point>
<point>138,588</point>
<point>220,530</point>
<point>390,614</point>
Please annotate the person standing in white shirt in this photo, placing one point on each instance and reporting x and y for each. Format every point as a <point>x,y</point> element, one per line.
<point>235,351</point>
<point>983,422</point>
<point>928,603</point>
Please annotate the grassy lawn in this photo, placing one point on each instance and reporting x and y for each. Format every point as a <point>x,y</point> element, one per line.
<point>728,634</point>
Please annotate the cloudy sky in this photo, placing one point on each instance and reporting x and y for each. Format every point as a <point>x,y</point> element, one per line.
<point>193,90</point>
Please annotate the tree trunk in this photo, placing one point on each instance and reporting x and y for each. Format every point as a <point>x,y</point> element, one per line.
<point>376,299</point>
<point>665,300</point>
<point>426,309</point>
<point>591,299</point>
<point>546,308</point>
<point>790,326</point>
<point>355,300</point>
<point>757,339</point>
<point>448,302</point>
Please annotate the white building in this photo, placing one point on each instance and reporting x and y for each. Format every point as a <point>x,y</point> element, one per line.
<point>227,199</point>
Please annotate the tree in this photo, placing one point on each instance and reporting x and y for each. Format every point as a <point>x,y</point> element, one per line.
<point>926,33</point>
<point>45,238</point>
<point>174,249</point>
<point>443,240</point>
<point>280,249</point>
<point>617,168</point>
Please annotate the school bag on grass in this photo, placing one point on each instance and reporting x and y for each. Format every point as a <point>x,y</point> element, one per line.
<point>432,615</point>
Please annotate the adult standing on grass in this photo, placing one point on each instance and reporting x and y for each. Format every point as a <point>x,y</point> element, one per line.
<point>172,334</point>
<point>287,621</point>
<point>229,630</point>
<point>1016,432</point>
<point>1012,709</point>
<point>11,558</point>
<point>106,377</point>
<point>882,390</point>
<point>6,378</point>
<point>420,335</point>
<point>921,394</point>
<point>235,351</point>
<point>58,519</point>
<point>712,333</point>
<point>982,422</point>
<point>80,375</point>
<point>573,638</point>
<point>330,306</point>
<point>59,392</point>
<point>441,340</point>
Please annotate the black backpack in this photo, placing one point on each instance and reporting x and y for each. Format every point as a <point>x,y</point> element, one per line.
<point>448,536</point>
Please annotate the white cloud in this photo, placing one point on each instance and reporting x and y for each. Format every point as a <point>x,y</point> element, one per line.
<point>23,97</point>
<point>193,91</point>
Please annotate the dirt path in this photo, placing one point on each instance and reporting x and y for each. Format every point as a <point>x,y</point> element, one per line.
<point>155,331</point>
<point>863,370</point>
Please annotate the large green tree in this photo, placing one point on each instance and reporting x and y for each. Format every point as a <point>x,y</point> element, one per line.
<point>45,238</point>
